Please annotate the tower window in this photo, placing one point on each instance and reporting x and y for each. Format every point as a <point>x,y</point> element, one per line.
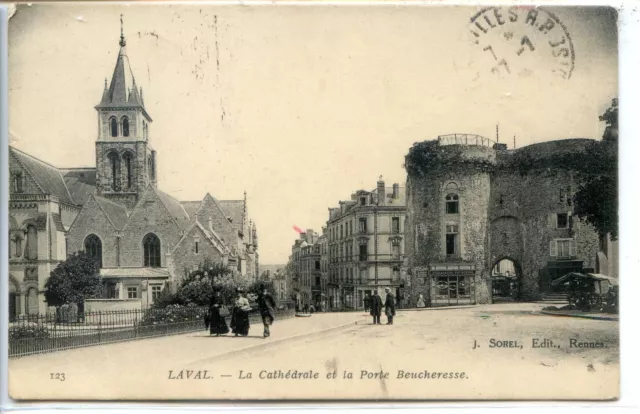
<point>451,241</point>
<point>114,165</point>
<point>452,204</point>
<point>152,172</point>
<point>151,246</point>
<point>125,126</point>
<point>93,247</point>
<point>113,126</point>
<point>128,165</point>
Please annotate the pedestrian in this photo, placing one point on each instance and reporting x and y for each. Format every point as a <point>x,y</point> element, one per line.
<point>240,315</point>
<point>376,307</point>
<point>267,309</point>
<point>420,301</point>
<point>389,306</point>
<point>216,323</point>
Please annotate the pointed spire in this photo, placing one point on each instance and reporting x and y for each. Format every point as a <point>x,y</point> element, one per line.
<point>123,42</point>
<point>105,82</point>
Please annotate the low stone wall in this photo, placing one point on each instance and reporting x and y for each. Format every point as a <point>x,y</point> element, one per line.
<point>97,305</point>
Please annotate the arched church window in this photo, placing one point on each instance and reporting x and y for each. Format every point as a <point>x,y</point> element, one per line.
<point>452,204</point>
<point>113,126</point>
<point>128,167</point>
<point>151,247</point>
<point>114,167</point>
<point>32,243</point>
<point>125,126</point>
<point>93,247</point>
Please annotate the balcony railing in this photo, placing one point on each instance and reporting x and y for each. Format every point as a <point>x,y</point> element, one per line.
<point>465,139</point>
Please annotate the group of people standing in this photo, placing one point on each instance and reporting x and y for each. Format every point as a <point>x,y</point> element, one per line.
<point>217,325</point>
<point>375,306</point>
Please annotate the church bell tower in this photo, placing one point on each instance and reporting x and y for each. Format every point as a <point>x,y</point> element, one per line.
<point>125,163</point>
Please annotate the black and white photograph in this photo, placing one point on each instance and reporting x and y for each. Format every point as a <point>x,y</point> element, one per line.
<point>284,202</point>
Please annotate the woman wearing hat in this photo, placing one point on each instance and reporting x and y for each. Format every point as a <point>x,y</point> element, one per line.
<point>240,315</point>
<point>217,324</point>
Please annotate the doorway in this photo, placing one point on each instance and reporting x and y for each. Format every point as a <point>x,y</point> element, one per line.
<point>505,281</point>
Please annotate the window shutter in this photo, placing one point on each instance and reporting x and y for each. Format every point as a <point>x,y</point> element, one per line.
<point>572,248</point>
<point>553,248</point>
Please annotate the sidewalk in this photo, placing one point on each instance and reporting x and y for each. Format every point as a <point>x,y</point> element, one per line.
<point>186,348</point>
<point>585,315</point>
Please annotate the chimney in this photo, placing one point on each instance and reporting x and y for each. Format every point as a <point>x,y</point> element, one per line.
<point>396,190</point>
<point>210,224</point>
<point>381,192</point>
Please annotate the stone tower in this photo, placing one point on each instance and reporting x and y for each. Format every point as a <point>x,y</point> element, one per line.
<point>448,182</point>
<point>125,162</point>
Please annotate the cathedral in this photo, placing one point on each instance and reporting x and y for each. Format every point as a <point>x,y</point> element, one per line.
<point>143,239</point>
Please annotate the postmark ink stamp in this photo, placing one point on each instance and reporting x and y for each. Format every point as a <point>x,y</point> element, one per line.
<point>514,40</point>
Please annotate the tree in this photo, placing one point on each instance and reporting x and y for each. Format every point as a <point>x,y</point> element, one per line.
<point>596,200</point>
<point>73,281</point>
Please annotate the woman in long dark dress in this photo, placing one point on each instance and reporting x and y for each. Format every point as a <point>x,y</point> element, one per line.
<point>240,316</point>
<point>217,324</point>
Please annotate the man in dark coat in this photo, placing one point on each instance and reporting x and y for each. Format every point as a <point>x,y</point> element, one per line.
<point>267,309</point>
<point>376,307</point>
<point>389,306</point>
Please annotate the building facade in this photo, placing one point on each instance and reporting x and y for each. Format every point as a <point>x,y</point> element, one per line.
<point>366,245</point>
<point>302,264</point>
<point>142,238</point>
<point>476,209</point>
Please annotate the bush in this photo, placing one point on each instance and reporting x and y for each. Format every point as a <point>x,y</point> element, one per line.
<point>172,314</point>
<point>29,330</point>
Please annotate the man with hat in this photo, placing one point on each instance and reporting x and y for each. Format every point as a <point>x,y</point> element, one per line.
<point>389,306</point>
<point>267,309</point>
<point>376,307</point>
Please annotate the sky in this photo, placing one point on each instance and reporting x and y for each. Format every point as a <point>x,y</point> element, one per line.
<point>299,106</point>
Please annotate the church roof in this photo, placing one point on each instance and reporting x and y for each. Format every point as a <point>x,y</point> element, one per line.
<point>47,177</point>
<point>81,183</point>
<point>234,209</point>
<point>117,213</point>
<point>191,207</point>
<point>122,91</point>
<point>175,208</point>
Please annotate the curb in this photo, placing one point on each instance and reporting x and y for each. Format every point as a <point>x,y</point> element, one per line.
<point>277,342</point>
<point>436,308</point>
<point>599,318</point>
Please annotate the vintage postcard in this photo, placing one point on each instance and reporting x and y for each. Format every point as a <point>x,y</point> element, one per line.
<point>295,202</point>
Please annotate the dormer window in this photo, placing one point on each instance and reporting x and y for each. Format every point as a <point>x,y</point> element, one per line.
<point>113,126</point>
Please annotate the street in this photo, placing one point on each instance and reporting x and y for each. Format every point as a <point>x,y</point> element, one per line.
<point>505,351</point>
